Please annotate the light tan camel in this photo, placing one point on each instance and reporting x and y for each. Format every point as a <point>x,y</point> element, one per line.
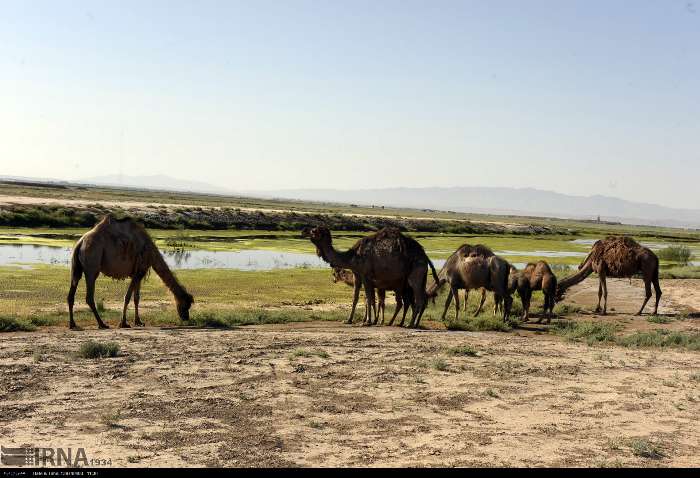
<point>617,256</point>
<point>384,260</point>
<point>473,267</point>
<point>120,249</point>
<point>537,276</point>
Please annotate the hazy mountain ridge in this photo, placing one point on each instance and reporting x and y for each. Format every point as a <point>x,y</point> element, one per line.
<point>488,200</point>
<point>499,200</point>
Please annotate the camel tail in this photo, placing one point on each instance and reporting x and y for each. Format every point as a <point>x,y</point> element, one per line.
<point>76,268</point>
<point>432,269</point>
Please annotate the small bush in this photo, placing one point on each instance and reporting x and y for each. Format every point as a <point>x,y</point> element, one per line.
<point>657,319</point>
<point>210,320</point>
<point>565,309</point>
<point>662,338</point>
<point>646,449</point>
<point>480,324</point>
<point>309,353</point>
<point>463,350</point>
<point>590,332</point>
<point>439,364</point>
<point>14,324</point>
<point>92,350</point>
<point>677,253</point>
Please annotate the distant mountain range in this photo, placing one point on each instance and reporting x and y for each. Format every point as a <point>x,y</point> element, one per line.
<point>488,200</point>
<point>513,201</point>
<point>158,181</point>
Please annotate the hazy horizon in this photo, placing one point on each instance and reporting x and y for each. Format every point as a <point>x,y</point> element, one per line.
<point>580,98</point>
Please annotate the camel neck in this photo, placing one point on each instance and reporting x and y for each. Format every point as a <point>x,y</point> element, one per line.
<point>167,275</point>
<point>336,258</point>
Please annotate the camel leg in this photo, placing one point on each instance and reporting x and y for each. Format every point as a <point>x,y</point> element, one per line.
<point>447,304</point>
<point>416,281</point>
<point>355,298</point>
<point>466,299</point>
<point>525,298</point>
<point>381,294</point>
<point>75,279</point>
<point>137,298</point>
<point>90,299</point>
<point>647,296</point>
<point>600,293</point>
<point>127,298</point>
<point>369,301</point>
<point>399,305</point>
<point>481,304</point>
<point>605,293</point>
<point>455,293</point>
<point>507,304</point>
<point>657,292</point>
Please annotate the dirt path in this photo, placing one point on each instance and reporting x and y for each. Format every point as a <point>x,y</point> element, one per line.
<point>325,394</point>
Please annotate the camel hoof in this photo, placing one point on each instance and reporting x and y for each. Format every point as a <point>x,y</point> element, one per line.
<point>139,324</point>
<point>124,325</point>
<point>102,326</point>
<point>74,327</point>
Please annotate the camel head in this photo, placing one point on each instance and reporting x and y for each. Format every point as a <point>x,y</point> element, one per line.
<point>184,302</point>
<point>320,236</point>
<point>337,274</point>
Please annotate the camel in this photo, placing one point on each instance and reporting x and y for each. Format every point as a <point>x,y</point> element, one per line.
<point>121,248</point>
<point>473,267</point>
<point>536,276</point>
<point>617,256</point>
<point>384,260</point>
<point>347,277</point>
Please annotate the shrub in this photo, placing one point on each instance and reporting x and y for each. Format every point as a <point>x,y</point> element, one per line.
<point>677,253</point>
<point>13,324</point>
<point>92,349</point>
<point>463,350</point>
<point>662,338</point>
<point>591,332</point>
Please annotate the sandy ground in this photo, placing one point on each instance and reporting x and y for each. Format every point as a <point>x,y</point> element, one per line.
<point>328,394</point>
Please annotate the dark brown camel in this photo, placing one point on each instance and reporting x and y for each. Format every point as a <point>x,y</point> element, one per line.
<point>537,276</point>
<point>384,260</point>
<point>347,277</point>
<point>617,256</point>
<point>121,249</point>
<point>473,267</point>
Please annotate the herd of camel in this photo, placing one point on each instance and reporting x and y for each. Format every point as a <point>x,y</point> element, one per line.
<point>386,260</point>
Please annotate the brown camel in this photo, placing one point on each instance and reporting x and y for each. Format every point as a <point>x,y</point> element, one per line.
<point>121,248</point>
<point>537,276</point>
<point>473,267</point>
<point>617,256</point>
<point>384,260</point>
<point>347,277</point>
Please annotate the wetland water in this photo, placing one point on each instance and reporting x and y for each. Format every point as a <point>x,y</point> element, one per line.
<point>26,255</point>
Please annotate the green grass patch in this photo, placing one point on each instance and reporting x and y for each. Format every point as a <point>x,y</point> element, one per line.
<point>463,351</point>
<point>92,350</point>
<point>439,364</point>
<point>589,332</point>
<point>309,353</point>
<point>15,324</point>
<point>658,319</point>
<point>680,254</point>
<point>646,449</point>
<point>479,324</point>
<point>662,338</point>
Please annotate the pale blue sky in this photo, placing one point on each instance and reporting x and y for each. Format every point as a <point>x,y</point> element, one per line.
<point>580,97</point>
